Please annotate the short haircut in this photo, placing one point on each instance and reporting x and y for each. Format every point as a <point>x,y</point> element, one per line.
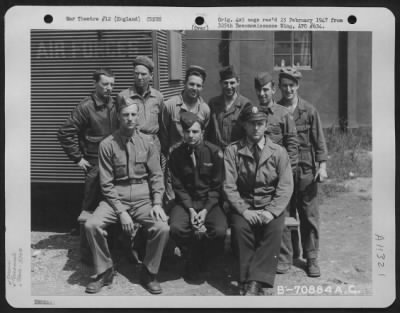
<point>102,71</point>
<point>258,86</point>
<point>194,73</point>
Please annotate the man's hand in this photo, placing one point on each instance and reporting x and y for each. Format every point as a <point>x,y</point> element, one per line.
<point>158,213</point>
<point>126,222</point>
<point>84,165</point>
<point>201,217</point>
<point>265,216</point>
<point>252,217</point>
<point>321,172</point>
<point>193,217</point>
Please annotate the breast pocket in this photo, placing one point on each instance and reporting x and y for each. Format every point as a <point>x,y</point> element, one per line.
<point>120,169</point>
<point>140,164</point>
<point>274,128</point>
<point>154,113</point>
<point>206,170</point>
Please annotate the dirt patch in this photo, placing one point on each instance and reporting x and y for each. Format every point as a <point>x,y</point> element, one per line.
<point>345,257</point>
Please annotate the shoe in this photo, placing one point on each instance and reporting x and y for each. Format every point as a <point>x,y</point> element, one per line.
<point>149,282</point>
<point>313,268</point>
<point>282,268</point>
<point>254,288</point>
<point>243,288</point>
<point>104,279</point>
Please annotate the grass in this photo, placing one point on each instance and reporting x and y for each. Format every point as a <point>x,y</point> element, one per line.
<point>349,153</point>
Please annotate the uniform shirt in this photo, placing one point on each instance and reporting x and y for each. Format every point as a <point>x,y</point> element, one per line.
<point>90,122</point>
<point>268,186</point>
<point>281,129</point>
<point>122,158</point>
<point>149,109</point>
<point>197,183</point>
<point>224,124</point>
<point>171,132</point>
<point>310,135</point>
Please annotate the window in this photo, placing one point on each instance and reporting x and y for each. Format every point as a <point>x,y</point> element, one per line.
<point>292,49</point>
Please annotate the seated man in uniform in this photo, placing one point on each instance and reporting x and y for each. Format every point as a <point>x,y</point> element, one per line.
<point>132,184</point>
<point>258,186</point>
<point>197,219</point>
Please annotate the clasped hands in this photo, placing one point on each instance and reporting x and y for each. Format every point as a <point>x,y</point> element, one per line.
<point>259,217</point>
<point>197,219</point>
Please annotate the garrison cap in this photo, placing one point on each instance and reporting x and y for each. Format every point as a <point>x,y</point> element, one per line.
<point>252,112</point>
<point>291,73</point>
<point>188,119</point>
<point>127,101</point>
<point>198,70</point>
<point>262,79</point>
<point>145,61</point>
<point>227,72</point>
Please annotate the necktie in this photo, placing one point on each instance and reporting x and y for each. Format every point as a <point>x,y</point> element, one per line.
<point>256,153</point>
<point>193,157</point>
<point>131,153</point>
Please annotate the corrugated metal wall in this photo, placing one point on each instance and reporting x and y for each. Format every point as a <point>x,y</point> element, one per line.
<point>62,63</point>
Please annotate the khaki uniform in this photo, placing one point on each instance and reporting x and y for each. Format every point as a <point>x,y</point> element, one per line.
<point>131,180</point>
<point>312,149</point>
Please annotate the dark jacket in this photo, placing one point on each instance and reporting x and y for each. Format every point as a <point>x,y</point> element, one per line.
<point>90,122</point>
<point>201,183</point>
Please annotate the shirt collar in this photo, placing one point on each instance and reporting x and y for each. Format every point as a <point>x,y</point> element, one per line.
<point>148,92</point>
<point>99,103</point>
<point>260,144</point>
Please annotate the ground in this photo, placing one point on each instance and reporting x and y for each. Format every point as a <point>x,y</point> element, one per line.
<point>345,257</point>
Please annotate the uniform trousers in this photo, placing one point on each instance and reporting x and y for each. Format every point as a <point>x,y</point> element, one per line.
<point>257,247</point>
<point>91,199</point>
<point>136,198</point>
<point>305,201</point>
<point>183,234</point>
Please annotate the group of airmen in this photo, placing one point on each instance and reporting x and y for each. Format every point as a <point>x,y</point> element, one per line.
<point>226,164</point>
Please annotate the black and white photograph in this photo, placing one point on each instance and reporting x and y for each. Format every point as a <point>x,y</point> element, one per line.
<point>229,156</point>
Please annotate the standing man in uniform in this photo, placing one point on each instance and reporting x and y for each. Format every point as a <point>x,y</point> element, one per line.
<point>258,186</point>
<point>132,184</point>
<point>171,131</point>
<point>281,130</point>
<point>90,122</point>
<point>151,99</point>
<point>225,109</point>
<point>197,220</point>
<point>311,167</point>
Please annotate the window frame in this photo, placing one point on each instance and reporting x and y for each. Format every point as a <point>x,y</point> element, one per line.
<point>292,53</point>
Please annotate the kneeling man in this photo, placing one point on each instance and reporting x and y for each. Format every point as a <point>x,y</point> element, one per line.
<point>258,186</point>
<point>197,219</point>
<point>132,184</point>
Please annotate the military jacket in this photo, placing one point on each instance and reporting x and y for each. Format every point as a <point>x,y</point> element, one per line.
<point>310,135</point>
<point>224,125</point>
<point>268,186</point>
<point>90,122</point>
<point>197,183</point>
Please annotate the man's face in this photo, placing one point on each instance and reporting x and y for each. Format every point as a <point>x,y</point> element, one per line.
<point>104,86</point>
<point>265,93</point>
<point>142,76</point>
<point>193,135</point>
<point>193,86</point>
<point>229,86</point>
<point>288,88</point>
<point>128,117</point>
<point>255,129</point>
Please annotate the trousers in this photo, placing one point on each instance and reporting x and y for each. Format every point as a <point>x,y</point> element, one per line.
<point>183,234</point>
<point>137,200</point>
<point>257,247</point>
<point>305,202</point>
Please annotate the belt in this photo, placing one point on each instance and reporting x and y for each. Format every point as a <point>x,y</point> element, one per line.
<point>131,181</point>
<point>134,181</point>
<point>309,148</point>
